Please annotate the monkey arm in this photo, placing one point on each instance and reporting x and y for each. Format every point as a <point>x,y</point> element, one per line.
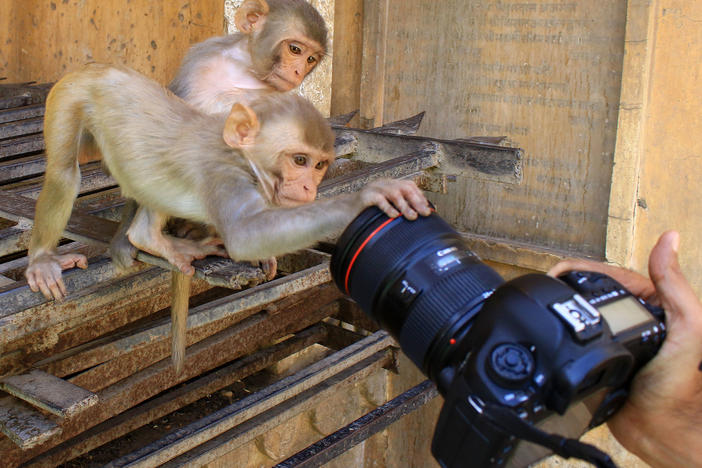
<point>252,230</point>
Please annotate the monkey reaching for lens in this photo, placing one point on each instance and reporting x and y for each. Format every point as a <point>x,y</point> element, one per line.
<point>252,174</point>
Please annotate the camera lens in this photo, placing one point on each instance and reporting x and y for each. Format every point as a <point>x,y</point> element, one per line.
<point>417,279</point>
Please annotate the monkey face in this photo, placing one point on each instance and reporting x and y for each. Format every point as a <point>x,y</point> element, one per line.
<point>299,176</point>
<point>295,59</point>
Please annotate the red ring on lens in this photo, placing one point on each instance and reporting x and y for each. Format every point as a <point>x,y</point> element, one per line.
<point>370,236</point>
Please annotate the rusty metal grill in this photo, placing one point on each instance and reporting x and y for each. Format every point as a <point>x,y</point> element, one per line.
<point>106,349</point>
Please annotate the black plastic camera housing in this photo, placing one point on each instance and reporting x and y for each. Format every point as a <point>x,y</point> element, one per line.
<point>556,354</point>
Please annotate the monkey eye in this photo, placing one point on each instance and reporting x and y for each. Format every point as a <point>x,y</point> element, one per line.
<point>300,159</point>
<point>311,59</point>
<point>321,165</point>
<point>295,49</point>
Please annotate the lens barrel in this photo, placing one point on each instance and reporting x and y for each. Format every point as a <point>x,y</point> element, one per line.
<point>416,278</point>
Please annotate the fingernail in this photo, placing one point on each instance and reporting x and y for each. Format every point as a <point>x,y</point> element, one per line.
<point>676,242</point>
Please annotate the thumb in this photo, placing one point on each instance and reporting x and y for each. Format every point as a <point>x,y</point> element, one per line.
<point>682,307</point>
<point>673,290</point>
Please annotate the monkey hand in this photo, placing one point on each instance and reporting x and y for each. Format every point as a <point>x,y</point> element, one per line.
<point>396,197</point>
<point>44,273</point>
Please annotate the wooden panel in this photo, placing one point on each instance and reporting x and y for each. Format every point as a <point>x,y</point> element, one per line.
<point>668,187</point>
<point>346,69</point>
<point>44,40</point>
<point>545,74</point>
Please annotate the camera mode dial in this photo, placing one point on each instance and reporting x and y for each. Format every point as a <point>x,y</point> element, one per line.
<point>510,364</point>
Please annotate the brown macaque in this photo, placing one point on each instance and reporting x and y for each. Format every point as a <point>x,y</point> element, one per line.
<point>279,43</point>
<point>252,174</point>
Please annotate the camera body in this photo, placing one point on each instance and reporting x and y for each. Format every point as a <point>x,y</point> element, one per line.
<point>556,354</point>
<point>539,345</point>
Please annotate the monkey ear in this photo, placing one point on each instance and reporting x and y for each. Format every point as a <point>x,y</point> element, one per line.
<point>241,127</point>
<point>251,15</point>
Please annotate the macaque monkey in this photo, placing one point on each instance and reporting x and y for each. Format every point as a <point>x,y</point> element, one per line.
<point>252,174</point>
<point>279,43</point>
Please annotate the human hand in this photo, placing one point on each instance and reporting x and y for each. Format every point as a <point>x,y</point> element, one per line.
<point>661,421</point>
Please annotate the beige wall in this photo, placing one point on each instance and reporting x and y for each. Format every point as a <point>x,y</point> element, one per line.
<point>659,149</point>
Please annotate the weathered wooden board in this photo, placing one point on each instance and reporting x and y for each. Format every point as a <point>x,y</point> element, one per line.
<point>151,37</point>
<point>24,425</point>
<point>55,395</point>
<point>545,74</point>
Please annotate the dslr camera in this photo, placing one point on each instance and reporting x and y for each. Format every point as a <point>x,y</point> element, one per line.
<point>524,366</point>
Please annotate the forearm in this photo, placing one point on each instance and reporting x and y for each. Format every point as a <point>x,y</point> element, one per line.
<point>278,231</point>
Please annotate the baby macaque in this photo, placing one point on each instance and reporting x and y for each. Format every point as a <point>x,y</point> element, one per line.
<point>279,43</point>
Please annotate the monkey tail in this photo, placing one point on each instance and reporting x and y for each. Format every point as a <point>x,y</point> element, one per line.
<point>180,285</point>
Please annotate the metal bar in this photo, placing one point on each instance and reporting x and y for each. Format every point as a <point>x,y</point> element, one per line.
<point>23,167</point>
<point>21,113</point>
<point>486,161</point>
<point>48,392</point>
<point>215,424</point>
<point>21,127</point>
<point>408,126</point>
<point>138,352</point>
<point>24,425</point>
<point>395,168</point>
<point>21,145</point>
<point>361,429</point>
<point>341,383</point>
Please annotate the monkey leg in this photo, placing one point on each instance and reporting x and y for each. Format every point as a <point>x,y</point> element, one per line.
<point>189,229</point>
<point>122,251</point>
<point>145,233</point>
<point>53,209</point>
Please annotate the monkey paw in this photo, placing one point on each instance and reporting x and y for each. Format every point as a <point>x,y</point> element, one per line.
<point>44,273</point>
<point>182,252</point>
<point>122,252</point>
<point>270,267</point>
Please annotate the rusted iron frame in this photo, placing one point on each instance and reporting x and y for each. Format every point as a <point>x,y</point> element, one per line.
<point>23,425</point>
<point>22,112</point>
<point>143,353</point>
<point>205,429</point>
<point>176,398</point>
<point>339,384</point>
<point>71,321</point>
<point>241,339</point>
<point>21,145</point>
<point>105,204</point>
<point>361,429</point>
<point>338,337</point>
<point>21,168</point>
<point>92,178</point>
<point>21,127</point>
